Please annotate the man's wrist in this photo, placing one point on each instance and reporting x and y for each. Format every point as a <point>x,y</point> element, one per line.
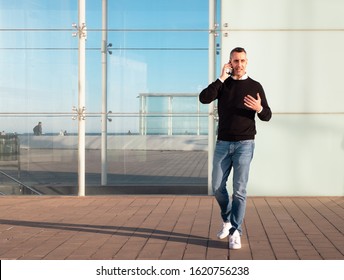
<point>261,109</point>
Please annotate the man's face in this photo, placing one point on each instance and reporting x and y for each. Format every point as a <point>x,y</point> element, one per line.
<point>239,63</point>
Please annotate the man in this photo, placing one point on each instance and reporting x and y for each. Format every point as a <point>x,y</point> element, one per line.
<point>37,130</point>
<point>239,98</point>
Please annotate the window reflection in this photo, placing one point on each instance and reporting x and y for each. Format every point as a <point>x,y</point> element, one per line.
<point>156,47</point>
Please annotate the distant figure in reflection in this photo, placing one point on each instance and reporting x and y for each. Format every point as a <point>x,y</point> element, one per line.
<point>37,130</point>
<point>129,132</point>
<point>63,133</point>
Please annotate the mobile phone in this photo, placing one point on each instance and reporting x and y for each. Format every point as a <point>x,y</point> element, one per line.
<point>229,70</point>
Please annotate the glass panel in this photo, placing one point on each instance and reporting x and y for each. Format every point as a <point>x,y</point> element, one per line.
<point>158,51</point>
<point>157,124</point>
<point>38,83</point>
<point>46,163</point>
<point>186,125</point>
<point>155,143</point>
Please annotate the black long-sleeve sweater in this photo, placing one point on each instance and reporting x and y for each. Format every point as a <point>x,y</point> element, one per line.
<point>236,121</point>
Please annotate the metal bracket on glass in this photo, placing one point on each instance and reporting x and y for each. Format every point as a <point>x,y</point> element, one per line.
<point>80,30</point>
<point>106,48</point>
<point>214,30</point>
<point>79,113</point>
<point>109,119</point>
<point>218,49</point>
<point>226,26</point>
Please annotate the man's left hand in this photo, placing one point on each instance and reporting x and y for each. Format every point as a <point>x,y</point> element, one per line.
<point>252,103</point>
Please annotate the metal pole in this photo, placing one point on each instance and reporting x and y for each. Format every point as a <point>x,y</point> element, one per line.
<point>169,118</point>
<point>104,96</point>
<point>198,119</point>
<point>81,99</point>
<point>211,78</point>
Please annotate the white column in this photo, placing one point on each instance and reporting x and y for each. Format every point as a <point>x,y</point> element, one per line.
<point>211,78</point>
<point>142,115</point>
<point>81,99</point>
<point>104,96</point>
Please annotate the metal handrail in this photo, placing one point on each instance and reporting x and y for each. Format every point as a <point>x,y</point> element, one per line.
<point>20,183</point>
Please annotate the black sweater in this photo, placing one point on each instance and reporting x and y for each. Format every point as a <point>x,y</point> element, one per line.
<point>236,121</point>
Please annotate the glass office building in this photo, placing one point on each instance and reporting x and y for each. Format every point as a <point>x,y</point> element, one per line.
<point>115,87</point>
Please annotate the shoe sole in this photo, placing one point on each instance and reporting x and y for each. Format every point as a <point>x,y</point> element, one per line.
<point>234,247</point>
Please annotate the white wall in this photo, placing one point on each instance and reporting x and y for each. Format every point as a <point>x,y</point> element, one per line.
<point>295,49</point>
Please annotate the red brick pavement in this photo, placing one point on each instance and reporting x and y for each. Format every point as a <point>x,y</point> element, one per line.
<point>167,228</point>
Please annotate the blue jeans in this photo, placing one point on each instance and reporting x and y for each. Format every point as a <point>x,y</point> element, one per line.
<point>228,155</point>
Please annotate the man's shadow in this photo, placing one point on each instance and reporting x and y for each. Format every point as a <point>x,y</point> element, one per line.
<point>122,231</point>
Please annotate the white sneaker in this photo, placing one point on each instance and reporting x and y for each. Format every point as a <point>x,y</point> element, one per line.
<point>224,232</point>
<point>234,240</point>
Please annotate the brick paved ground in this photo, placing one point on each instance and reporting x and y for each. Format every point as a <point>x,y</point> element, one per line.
<point>167,227</point>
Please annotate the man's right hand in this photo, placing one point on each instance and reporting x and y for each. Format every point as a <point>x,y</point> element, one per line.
<point>226,71</point>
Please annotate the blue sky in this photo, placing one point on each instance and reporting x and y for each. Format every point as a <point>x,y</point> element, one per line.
<point>38,68</point>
